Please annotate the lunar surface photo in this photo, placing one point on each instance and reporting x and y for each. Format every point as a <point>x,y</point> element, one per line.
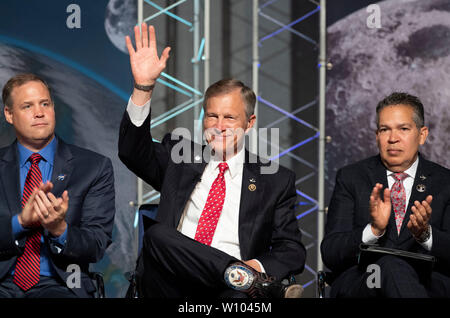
<point>120,19</point>
<point>409,53</point>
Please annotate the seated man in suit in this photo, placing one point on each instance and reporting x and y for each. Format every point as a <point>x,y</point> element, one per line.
<point>56,201</point>
<point>191,251</point>
<point>396,199</point>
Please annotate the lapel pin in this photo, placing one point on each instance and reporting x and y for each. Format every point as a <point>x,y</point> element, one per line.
<point>252,180</point>
<point>421,188</point>
<point>252,187</point>
<point>61,177</point>
<point>197,158</point>
<point>422,177</point>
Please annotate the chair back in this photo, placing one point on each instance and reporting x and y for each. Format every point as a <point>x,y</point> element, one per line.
<point>146,212</point>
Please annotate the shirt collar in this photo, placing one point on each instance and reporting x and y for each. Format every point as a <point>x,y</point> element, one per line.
<point>411,171</point>
<point>234,163</point>
<point>47,153</point>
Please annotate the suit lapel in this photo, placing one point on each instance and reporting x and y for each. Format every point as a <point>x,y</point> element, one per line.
<point>252,196</point>
<point>190,175</point>
<point>62,168</point>
<point>10,176</point>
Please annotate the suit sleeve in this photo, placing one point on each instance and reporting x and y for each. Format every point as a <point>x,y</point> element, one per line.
<point>87,240</point>
<point>340,245</point>
<point>144,157</point>
<point>441,231</point>
<point>8,247</point>
<point>287,254</point>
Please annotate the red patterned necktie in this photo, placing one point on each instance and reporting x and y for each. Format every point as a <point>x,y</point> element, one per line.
<point>211,212</point>
<point>398,199</point>
<point>28,265</point>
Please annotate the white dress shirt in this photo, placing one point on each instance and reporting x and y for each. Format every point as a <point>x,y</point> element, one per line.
<point>408,182</point>
<point>226,236</point>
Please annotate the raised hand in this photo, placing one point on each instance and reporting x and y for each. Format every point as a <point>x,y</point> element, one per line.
<point>146,66</point>
<point>380,209</point>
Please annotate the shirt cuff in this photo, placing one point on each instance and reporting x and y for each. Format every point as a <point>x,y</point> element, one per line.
<point>59,240</point>
<point>138,114</point>
<point>428,243</point>
<point>368,237</point>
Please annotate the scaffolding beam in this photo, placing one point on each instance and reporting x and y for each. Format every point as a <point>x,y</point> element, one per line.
<point>322,139</point>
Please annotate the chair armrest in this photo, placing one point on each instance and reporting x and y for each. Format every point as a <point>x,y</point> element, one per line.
<point>97,277</point>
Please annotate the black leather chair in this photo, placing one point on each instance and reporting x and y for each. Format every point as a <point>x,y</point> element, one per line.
<point>97,279</point>
<point>146,212</point>
<point>324,281</point>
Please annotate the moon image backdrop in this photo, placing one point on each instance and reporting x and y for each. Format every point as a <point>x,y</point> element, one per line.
<point>88,69</point>
<point>120,18</point>
<point>409,53</point>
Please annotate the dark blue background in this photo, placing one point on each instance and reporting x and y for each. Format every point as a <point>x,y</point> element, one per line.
<point>43,24</point>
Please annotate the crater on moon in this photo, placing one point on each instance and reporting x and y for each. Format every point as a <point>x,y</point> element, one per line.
<point>120,19</point>
<point>429,43</point>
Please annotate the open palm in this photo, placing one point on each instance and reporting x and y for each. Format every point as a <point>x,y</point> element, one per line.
<point>380,208</point>
<point>146,66</point>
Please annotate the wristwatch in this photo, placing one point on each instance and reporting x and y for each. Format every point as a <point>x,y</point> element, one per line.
<point>424,236</point>
<point>146,88</point>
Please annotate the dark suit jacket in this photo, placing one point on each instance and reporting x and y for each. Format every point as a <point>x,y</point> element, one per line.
<point>348,213</point>
<point>268,229</point>
<point>89,181</point>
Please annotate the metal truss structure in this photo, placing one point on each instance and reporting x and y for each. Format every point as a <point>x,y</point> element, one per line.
<point>308,203</point>
<point>193,96</point>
